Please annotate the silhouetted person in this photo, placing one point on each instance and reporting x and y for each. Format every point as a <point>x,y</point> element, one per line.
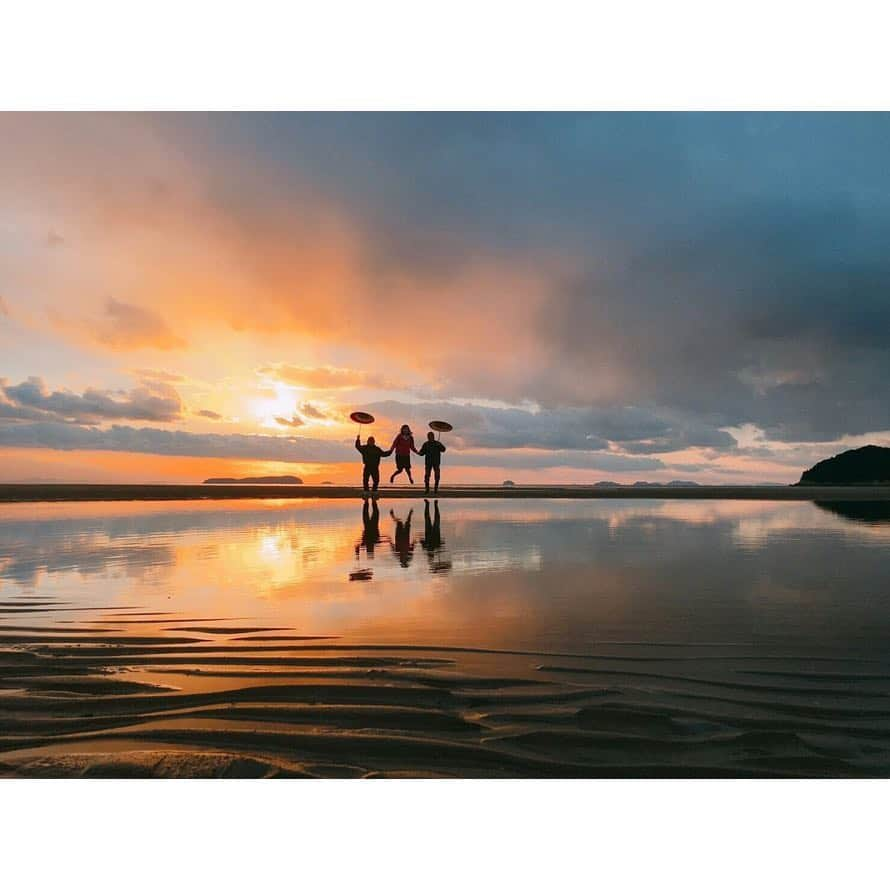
<point>403,445</point>
<point>370,528</point>
<point>432,456</point>
<point>371,455</point>
<point>401,545</point>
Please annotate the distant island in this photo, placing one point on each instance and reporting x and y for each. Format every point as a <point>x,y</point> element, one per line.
<point>674,483</point>
<point>869,465</point>
<point>508,483</point>
<point>256,480</point>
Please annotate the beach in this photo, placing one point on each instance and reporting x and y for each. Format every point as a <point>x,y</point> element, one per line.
<point>520,638</point>
<point>36,492</point>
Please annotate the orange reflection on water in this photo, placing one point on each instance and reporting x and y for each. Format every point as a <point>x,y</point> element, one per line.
<point>560,574</point>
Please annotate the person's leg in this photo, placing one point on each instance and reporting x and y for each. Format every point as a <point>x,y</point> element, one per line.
<point>437,471</point>
<point>375,477</point>
<point>396,473</point>
<point>408,471</point>
<point>426,480</point>
<point>366,472</point>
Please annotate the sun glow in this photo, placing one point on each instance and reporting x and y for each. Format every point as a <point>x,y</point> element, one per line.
<point>282,404</point>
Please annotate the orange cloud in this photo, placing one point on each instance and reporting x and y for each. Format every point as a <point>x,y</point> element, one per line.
<point>321,378</point>
<point>126,326</point>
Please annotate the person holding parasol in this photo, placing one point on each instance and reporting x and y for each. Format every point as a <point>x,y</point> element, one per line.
<point>432,450</point>
<point>370,452</point>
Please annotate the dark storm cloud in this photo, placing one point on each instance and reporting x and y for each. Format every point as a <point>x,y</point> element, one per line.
<point>635,430</point>
<point>729,266</point>
<point>31,400</point>
<point>605,461</point>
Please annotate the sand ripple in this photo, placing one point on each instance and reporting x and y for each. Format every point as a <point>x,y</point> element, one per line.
<point>171,696</point>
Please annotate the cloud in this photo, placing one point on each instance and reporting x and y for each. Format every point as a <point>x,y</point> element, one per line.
<point>307,409</point>
<point>147,440</point>
<point>293,421</point>
<point>635,430</point>
<point>321,378</point>
<point>155,374</point>
<point>713,269</point>
<point>126,326</point>
<point>553,459</point>
<point>31,400</point>
<point>210,415</point>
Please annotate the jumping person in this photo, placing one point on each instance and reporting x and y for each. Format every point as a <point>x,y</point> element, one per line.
<point>403,445</point>
<point>371,455</point>
<point>432,455</point>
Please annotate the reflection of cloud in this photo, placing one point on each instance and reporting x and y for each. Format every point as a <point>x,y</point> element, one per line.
<point>86,554</point>
<point>559,575</point>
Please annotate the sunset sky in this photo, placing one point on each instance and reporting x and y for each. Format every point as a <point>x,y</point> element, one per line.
<point>585,297</point>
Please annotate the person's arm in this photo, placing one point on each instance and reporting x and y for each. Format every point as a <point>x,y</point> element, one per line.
<point>358,444</point>
<point>423,450</point>
<point>412,446</point>
<point>385,453</point>
<point>442,447</point>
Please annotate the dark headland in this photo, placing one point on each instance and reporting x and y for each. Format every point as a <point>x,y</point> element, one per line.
<point>869,465</point>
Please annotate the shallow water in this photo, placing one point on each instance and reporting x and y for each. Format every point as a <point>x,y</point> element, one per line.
<point>501,638</point>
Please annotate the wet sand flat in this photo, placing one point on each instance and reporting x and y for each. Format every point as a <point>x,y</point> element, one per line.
<point>13,493</point>
<point>161,705</point>
<point>521,639</point>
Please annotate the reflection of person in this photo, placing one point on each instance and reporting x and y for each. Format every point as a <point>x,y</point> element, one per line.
<point>403,445</point>
<point>401,544</point>
<point>432,455</point>
<point>371,455</point>
<point>432,541</point>
<point>370,528</point>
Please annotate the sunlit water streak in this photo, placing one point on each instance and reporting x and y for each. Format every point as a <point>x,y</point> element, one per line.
<point>505,638</point>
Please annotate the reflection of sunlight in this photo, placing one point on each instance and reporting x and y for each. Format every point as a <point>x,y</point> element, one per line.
<point>292,563</point>
<point>270,547</point>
